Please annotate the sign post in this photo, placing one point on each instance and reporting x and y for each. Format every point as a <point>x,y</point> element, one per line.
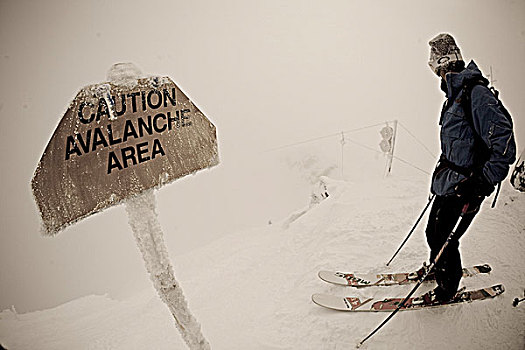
<point>149,237</point>
<point>117,142</point>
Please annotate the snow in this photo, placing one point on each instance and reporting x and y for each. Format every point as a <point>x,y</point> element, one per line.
<point>251,289</point>
<point>124,74</point>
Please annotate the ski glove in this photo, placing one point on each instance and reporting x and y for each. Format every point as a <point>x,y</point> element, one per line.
<point>475,185</point>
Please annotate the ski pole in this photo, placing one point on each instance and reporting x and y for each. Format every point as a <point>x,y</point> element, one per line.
<point>465,208</point>
<point>412,230</point>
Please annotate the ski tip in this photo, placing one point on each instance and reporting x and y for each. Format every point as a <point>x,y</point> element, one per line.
<point>331,277</point>
<point>315,297</point>
<point>330,302</point>
<point>318,298</point>
<point>321,274</point>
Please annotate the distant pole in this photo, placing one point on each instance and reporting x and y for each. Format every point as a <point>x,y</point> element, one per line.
<point>393,146</point>
<point>391,152</point>
<point>342,155</point>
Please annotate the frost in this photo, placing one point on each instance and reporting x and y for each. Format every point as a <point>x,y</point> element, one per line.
<point>158,81</point>
<point>124,74</point>
<point>320,192</point>
<point>164,178</point>
<point>104,91</point>
<point>112,197</point>
<point>9,314</point>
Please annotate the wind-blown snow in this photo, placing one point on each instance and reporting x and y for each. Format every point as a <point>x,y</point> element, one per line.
<point>252,289</point>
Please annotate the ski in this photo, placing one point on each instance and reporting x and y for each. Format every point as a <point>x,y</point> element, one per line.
<point>354,304</point>
<point>388,279</point>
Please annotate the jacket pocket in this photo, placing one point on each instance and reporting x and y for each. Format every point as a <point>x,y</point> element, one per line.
<point>499,138</point>
<point>453,122</point>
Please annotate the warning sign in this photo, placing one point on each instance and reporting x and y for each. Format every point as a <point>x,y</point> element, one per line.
<point>116,141</point>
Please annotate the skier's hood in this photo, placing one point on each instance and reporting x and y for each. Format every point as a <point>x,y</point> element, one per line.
<point>456,81</point>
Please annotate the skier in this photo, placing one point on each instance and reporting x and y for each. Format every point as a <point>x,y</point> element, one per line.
<point>477,145</point>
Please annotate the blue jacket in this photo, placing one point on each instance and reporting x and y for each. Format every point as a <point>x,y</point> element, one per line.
<point>458,134</point>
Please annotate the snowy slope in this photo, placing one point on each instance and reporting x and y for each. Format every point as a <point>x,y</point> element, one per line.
<point>252,289</point>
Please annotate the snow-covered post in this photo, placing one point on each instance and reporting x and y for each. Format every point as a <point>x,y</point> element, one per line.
<point>148,234</point>
<point>387,144</point>
<point>117,142</point>
<point>393,146</point>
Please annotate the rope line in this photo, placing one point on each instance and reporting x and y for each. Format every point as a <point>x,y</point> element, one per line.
<point>301,142</point>
<point>412,165</point>
<point>395,157</point>
<point>367,127</point>
<point>325,137</point>
<point>362,145</point>
<point>419,141</point>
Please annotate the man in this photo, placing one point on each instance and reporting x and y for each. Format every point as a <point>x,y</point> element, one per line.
<point>477,145</point>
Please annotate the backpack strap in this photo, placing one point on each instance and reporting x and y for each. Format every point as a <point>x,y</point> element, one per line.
<point>466,98</point>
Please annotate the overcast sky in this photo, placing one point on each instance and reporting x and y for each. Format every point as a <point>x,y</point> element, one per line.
<point>266,73</point>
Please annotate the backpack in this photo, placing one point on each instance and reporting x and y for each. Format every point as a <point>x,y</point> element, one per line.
<point>466,103</point>
<point>466,99</point>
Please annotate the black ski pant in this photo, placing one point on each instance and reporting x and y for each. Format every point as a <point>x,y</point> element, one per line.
<point>443,217</point>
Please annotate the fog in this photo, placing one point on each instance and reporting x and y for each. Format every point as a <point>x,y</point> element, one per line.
<point>268,74</point>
